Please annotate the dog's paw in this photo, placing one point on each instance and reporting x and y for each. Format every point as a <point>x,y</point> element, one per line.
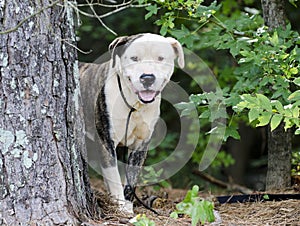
<point>126,207</point>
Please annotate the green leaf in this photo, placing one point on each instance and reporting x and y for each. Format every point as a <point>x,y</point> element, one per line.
<point>274,39</point>
<point>163,30</point>
<point>275,121</point>
<point>205,211</point>
<point>193,206</point>
<point>264,119</point>
<point>297,81</point>
<point>294,70</point>
<point>294,96</point>
<point>265,102</point>
<point>209,207</point>
<point>152,11</point>
<point>205,114</point>
<point>174,215</point>
<point>248,101</point>
<point>296,112</point>
<point>288,123</point>
<point>195,191</point>
<point>278,105</point>
<point>196,214</point>
<point>266,196</point>
<point>180,34</point>
<point>293,2</point>
<point>249,98</point>
<point>185,36</point>
<point>207,11</point>
<point>253,114</point>
<point>240,106</point>
<point>231,132</point>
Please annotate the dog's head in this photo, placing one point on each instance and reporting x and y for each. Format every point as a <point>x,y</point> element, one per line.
<point>146,61</point>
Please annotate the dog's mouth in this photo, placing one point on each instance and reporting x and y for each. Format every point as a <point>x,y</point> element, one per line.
<point>147,96</point>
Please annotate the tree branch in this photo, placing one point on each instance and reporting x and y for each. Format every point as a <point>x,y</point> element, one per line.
<point>222,184</point>
<point>74,46</point>
<point>107,5</point>
<point>100,20</point>
<point>106,14</point>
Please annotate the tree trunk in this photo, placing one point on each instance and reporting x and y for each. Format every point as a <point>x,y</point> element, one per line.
<point>43,165</point>
<point>279,159</point>
<point>274,13</point>
<point>279,141</point>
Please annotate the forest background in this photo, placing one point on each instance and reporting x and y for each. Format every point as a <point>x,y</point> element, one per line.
<point>257,70</point>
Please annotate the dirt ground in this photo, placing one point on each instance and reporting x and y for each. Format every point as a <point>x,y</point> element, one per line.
<point>252,213</point>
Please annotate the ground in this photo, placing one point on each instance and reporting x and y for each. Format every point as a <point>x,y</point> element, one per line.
<point>255,213</point>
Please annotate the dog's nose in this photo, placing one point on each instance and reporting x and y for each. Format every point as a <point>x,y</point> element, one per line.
<point>147,80</point>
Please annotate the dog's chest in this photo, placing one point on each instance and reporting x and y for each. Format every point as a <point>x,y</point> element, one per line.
<point>142,121</point>
<point>140,127</point>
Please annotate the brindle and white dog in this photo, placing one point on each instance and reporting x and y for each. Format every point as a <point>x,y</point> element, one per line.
<point>132,80</point>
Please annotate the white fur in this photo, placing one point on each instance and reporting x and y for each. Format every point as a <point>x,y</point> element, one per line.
<point>155,56</point>
<point>114,185</point>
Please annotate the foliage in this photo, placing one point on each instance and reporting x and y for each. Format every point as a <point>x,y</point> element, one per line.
<point>272,112</point>
<point>198,209</point>
<point>262,84</point>
<point>268,61</point>
<point>261,63</point>
<point>142,220</point>
<point>293,2</point>
<point>152,175</point>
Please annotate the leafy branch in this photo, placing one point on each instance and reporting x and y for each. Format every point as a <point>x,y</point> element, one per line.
<point>271,112</point>
<point>268,62</point>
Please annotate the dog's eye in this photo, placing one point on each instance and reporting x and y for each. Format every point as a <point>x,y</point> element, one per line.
<point>134,58</point>
<point>160,58</point>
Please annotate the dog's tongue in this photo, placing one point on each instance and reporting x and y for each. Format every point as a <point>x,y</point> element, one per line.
<point>147,96</point>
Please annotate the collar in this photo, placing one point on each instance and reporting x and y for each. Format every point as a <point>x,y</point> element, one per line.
<point>132,109</point>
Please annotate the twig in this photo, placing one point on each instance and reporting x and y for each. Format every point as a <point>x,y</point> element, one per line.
<point>107,5</point>
<point>122,8</point>
<point>106,14</point>
<point>74,46</point>
<point>29,17</point>
<point>229,186</point>
<point>100,20</point>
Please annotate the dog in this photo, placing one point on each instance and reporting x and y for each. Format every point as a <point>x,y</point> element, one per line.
<point>128,85</point>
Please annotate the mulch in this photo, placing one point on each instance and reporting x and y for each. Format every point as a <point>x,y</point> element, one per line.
<point>261,213</point>
<point>285,212</point>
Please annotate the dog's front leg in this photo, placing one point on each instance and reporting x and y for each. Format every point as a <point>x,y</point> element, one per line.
<point>114,185</point>
<point>136,160</point>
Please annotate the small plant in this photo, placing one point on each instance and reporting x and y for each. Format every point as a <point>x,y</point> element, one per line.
<point>152,175</point>
<point>266,197</point>
<point>198,209</point>
<point>142,220</point>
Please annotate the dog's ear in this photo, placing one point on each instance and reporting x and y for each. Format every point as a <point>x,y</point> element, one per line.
<point>117,47</point>
<point>178,51</point>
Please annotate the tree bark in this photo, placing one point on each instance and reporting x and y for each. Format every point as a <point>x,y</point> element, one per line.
<point>279,141</point>
<point>279,159</point>
<point>274,13</point>
<point>43,164</point>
